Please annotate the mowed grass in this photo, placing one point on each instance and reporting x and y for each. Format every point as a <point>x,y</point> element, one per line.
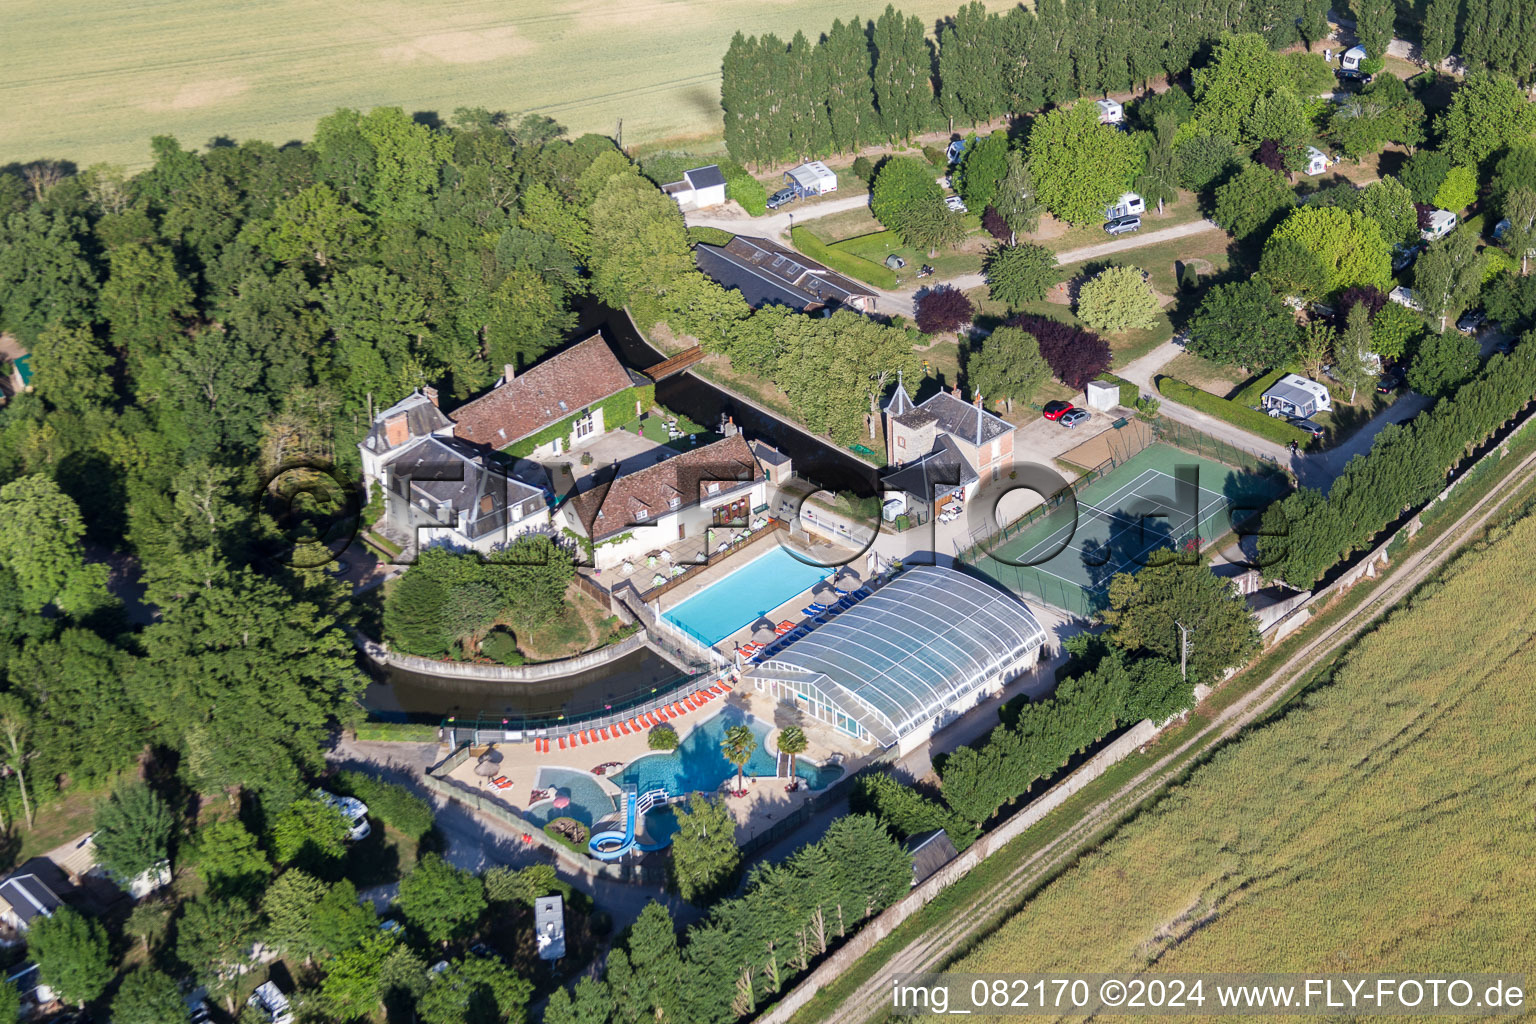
<point>93,82</point>
<point>1382,824</point>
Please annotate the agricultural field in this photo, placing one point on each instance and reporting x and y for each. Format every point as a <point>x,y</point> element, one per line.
<point>93,82</point>
<point>1381,824</point>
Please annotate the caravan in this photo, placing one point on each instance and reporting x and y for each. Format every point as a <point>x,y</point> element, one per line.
<point>1128,205</point>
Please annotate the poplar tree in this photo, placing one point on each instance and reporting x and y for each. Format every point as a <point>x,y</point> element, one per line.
<point>903,86</point>
<point>806,104</point>
<point>1437,35</point>
<point>847,77</point>
<point>970,65</point>
<point>1373,25</point>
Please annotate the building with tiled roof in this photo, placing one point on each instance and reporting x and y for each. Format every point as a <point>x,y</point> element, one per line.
<point>440,489</point>
<point>719,484</point>
<point>943,447</point>
<point>767,274</point>
<point>568,384</point>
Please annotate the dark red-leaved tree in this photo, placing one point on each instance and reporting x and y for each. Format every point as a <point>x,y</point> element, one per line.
<point>1074,355</point>
<point>1423,210</point>
<point>943,309</point>
<point>993,223</point>
<point>1269,154</point>
<point>1373,297</point>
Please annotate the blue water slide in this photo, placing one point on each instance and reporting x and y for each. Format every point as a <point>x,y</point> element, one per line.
<point>613,844</point>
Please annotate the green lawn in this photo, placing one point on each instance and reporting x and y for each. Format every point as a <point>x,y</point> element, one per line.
<point>877,246</point>
<point>1174,214</point>
<point>93,82</point>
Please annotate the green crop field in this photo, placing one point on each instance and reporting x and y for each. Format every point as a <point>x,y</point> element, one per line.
<point>1382,824</point>
<point>93,82</point>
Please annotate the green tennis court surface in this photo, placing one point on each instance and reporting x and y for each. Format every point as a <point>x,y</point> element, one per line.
<point>1160,499</point>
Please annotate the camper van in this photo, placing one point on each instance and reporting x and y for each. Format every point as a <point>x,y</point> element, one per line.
<point>1128,205</point>
<point>1110,112</point>
<point>1441,223</point>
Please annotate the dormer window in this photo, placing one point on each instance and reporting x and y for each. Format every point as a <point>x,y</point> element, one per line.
<point>712,488</point>
<point>674,503</point>
<point>643,515</point>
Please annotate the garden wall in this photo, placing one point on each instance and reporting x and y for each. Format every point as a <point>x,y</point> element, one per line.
<point>381,655</point>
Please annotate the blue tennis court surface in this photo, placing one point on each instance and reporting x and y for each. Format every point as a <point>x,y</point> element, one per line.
<point>756,588</point>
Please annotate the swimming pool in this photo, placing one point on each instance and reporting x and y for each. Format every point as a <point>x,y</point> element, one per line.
<point>698,765</point>
<point>758,587</point>
<point>589,803</point>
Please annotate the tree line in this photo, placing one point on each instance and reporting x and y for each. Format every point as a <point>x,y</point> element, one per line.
<point>884,80</point>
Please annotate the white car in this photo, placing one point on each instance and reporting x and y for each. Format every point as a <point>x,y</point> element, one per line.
<point>955,203</point>
<point>351,808</point>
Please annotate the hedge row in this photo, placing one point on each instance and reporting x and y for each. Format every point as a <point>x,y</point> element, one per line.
<point>709,236</point>
<point>396,732</point>
<point>844,263</point>
<point>1239,416</point>
<point>617,409</point>
<point>1129,392</point>
<point>394,805</point>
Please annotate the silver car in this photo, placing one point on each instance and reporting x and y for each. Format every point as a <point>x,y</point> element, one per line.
<point>1122,225</point>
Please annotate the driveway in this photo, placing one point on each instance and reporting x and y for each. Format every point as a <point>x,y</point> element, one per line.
<point>734,219</point>
<point>902,303</point>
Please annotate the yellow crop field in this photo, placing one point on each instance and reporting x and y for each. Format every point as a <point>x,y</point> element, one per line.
<point>1384,824</point>
<point>92,82</point>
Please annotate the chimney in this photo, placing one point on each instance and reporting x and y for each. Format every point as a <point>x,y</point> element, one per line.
<point>431,394</point>
<point>508,373</point>
<point>957,393</point>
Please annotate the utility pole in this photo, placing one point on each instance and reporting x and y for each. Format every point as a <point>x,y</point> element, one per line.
<point>1183,649</point>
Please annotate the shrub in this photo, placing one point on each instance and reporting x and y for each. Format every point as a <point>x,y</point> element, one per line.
<point>943,309</point>
<point>1017,274</point>
<point>856,267</point>
<point>748,193</point>
<point>392,804</point>
<point>1129,392</point>
<point>663,737</point>
<point>1241,416</point>
<point>863,169</point>
<point>709,236</point>
<point>936,156</point>
<point>993,224</point>
<point>500,645</point>
<point>1075,356</point>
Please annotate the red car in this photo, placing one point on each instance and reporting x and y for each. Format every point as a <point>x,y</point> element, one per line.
<point>1056,410</point>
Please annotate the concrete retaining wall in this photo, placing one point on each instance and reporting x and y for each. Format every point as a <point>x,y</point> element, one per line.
<point>381,655</point>
<point>866,937</point>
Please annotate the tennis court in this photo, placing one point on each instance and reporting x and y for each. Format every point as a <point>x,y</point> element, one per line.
<point>1065,553</point>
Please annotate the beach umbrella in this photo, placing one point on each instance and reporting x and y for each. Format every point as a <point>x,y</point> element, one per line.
<point>487,768</point>
<point>562,802</point>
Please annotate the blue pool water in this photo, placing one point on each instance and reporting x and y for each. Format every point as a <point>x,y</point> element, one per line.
<point>698,765</point>
<point>589,804</point>
<point>758,587</point>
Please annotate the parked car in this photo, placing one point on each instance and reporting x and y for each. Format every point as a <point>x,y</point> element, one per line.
<point>1308,426</point>
<point>1472,321</point>
<point>1390,382</point>
<point>1073,418</point>
<point>351,808</point>
<point>1353,77</point>
<point>1056,410</point>
<point>782,197</point>
<point>1122,225</point>
<point>955,203</point>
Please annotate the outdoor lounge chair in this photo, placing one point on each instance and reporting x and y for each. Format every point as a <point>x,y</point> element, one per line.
<point>784,627</point>
<point>862,593</point>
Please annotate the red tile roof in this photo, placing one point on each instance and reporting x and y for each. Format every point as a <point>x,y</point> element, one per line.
<point>650,491</point>
<point>546,393</point>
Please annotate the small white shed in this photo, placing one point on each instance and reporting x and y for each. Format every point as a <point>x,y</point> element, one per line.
<point>1102,395</point>
<point>1352,58</point>
<point>1110,111</point>
<point>812,179</point>
<point>701,187</point>
<point>1404,297</point>
<point>1129,204</point>
<point>1317,161</point>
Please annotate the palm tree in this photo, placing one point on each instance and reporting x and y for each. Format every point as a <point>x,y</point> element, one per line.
<point>792,742</point>
<point>738,746</point>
